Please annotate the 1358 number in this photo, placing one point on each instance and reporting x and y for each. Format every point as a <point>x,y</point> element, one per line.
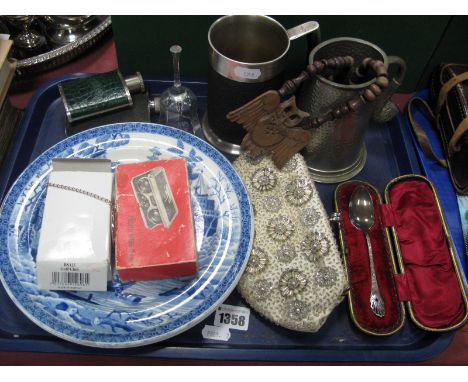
<point>232,319</point>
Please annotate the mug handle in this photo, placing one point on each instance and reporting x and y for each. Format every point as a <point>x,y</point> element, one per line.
<point>311,29</point>
<point>401,71</point>
<point>385,110</point>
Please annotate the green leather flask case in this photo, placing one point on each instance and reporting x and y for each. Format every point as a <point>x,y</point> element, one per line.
<point>93,95</point>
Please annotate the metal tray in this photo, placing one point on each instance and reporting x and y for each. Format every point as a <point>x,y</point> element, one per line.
<point>63,54</point>
<point>390,153</point>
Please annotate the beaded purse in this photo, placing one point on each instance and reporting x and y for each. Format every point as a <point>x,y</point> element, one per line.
<point>294,276</point>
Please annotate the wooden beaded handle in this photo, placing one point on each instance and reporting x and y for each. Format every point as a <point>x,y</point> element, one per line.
<point>369,94</point>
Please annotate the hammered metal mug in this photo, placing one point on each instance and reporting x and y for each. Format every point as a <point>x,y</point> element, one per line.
<point>247,56</point>
<point>337,151</point>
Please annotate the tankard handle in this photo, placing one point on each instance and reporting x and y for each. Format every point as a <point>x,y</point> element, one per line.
<point>303,29</point>
<point>310,29</point>
<point>385,110</point>
<point>401,70</point>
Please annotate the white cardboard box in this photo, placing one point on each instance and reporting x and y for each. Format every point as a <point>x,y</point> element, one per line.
<point>75,240</point>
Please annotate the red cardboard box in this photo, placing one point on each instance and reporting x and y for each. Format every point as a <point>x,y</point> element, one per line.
<point>154,235</point>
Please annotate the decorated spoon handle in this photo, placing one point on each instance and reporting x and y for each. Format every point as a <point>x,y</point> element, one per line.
<point>376,301</point>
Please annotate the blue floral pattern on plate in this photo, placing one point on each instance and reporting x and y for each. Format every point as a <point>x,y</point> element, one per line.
<point>131,313</point>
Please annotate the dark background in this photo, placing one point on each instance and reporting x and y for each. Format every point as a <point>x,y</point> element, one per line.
<point>143,42</point>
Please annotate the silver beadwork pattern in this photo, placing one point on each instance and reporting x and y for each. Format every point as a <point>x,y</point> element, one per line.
<point>280,228</point>
<point>272,203</point>
<point>258,261</point>
<point>290,165</point>
<point>310,217</point>
<point>286,253</point>
<point>286,290</point>
<point>264,179</point>
<point>299,191</point>
<point>325,277</point>
<point>292,282</point>
<point>317,309</point>
<point>253,159</point>
<point>262,289</point>
<point>314,246</point>
<point>297,310</point>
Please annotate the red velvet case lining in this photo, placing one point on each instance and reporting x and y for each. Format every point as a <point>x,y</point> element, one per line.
<point>432,284</point>
<point>357,259</point>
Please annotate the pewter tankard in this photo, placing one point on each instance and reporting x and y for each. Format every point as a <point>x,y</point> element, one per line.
<point>247,56</point>
<point>337,151</point>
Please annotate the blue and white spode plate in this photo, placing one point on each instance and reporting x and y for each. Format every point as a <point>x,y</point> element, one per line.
<point>131,313</point>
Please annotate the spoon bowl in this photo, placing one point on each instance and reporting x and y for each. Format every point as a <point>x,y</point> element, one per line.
<point>361,209</point>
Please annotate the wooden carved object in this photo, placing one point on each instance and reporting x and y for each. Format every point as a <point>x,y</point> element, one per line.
<point>272,125</point>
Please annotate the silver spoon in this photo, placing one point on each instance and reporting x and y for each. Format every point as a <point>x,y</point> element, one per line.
<point>361,214</point>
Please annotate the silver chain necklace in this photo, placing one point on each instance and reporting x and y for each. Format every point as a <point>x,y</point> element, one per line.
<point>80,191</point>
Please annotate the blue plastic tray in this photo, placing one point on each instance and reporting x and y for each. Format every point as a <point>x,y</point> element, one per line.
<point>390,153</point>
